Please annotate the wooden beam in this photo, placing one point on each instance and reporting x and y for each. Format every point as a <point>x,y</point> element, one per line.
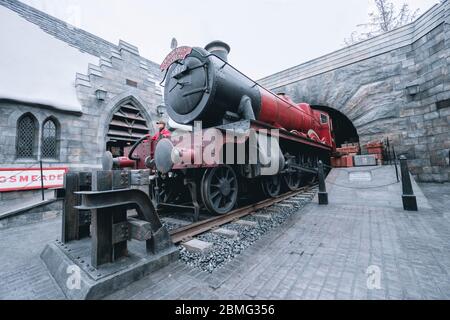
<point>139,229</point>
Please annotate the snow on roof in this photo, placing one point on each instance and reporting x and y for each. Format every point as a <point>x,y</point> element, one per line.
<point>36,67</point>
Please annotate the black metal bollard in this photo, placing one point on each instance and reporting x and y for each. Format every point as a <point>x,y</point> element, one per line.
<point>408,197</point>
<point>323,194</point>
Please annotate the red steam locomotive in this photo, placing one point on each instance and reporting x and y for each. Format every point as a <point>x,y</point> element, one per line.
<point>231,137</point>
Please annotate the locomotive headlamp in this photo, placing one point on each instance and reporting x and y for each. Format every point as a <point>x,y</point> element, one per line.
<point>163,156</point>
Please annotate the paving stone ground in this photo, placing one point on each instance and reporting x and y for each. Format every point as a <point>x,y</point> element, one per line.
<point>22,273</point>
<point>322,252</point>
<point>438,195</point>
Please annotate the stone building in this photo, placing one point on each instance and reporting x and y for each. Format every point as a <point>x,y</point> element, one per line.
<point>66,95</point>
<point>396,85</point>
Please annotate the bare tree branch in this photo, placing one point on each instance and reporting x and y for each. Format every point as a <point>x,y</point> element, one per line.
<point>383,19</point>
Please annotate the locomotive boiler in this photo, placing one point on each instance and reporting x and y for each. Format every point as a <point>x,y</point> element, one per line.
<point>203,91</point>
<point>203,86</point>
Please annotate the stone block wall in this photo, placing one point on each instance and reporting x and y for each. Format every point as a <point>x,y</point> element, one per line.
<point>373,83</point>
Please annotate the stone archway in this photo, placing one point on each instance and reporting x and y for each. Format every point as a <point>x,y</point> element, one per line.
<point>344,130</point>
<point>127,123</point>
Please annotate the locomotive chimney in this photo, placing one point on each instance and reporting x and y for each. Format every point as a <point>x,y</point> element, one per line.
<point>219,48</point>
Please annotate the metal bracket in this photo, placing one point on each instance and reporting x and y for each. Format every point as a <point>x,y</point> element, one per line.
<point>192,186</point>
<point>92,200</point>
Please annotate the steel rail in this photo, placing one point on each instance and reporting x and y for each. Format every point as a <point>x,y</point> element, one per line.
<point>187,232</point>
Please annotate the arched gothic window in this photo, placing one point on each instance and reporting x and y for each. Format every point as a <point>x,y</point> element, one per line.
<point>26,141</point>
<point>49,144</point>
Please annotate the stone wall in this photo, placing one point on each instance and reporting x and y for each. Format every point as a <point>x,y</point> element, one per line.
<point>372,84</point>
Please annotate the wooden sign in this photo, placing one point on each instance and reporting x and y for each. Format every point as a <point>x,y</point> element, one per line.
<point>14,179</point>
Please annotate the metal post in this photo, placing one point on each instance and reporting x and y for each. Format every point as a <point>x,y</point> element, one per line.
<point>102,251</point>
<point>156,192</point>
<point>395,163</point>
<point>408,197</point>
<point>83,221</point>
<point>70,215</point>
<point>323,195</point>
<point>192,186</point>
<point>387,151</point>
<point>42,180</point>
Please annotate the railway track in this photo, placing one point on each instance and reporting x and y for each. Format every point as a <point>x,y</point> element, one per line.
<point>186,233</point>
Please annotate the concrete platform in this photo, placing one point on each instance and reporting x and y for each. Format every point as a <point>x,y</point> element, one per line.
<point>322,252</point>
<point>69,266</point>
<point>350,186</point>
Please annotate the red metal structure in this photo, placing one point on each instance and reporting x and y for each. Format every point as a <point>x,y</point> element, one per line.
<point>281,112</point>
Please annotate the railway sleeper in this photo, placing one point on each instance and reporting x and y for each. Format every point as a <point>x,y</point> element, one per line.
<point>196,245</point>
<point>302,197</point>
<point>247,223</point>
<point>291,202</point>
<point>272,211</point>
<point>139,230</point>
<point>227,233</point>
<point>282,205</point>
<point>262,216</point>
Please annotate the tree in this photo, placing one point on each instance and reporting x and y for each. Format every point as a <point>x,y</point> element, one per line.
<point>383,19</point>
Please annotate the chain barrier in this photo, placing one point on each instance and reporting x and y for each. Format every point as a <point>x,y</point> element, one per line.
<point>359,187</point>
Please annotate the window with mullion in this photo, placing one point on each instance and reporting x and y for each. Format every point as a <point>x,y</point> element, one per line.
<point>49,144</point>
<point>26,137</point>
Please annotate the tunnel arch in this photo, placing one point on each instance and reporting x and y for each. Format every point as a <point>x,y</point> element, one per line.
<point>344,129</point>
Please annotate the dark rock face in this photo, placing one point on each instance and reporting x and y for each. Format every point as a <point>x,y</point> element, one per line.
<point>395,85</point>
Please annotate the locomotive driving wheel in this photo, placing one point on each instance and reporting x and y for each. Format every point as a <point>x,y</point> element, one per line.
<point>168,191</point>
<point>271,186</point>
<point>292,180</point>
<point>219,189</point>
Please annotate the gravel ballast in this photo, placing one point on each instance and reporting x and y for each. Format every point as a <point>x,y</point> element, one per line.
<point>224,249</point>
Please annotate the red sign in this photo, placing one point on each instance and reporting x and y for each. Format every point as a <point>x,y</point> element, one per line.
<point>15,179</point>
<point>177,54</point>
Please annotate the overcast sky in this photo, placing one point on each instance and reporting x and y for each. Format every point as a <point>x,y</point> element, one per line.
<point>266,36</point>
